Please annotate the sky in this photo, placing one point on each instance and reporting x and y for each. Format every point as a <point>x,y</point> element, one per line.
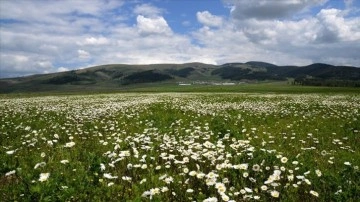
<point>45,36</point>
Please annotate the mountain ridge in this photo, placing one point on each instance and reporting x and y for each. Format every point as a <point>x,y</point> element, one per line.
<point>119,75</point>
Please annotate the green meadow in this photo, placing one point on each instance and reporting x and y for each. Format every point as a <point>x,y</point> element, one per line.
<point>275,143</point>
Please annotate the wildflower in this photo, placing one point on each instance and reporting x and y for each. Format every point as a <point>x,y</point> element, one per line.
<point>42,164</point>
<point>290,177</point>
<point>248,190</point>
<point>10,152</point>
<point>210,181</point>
<point>44,176</point>
<point>200,175</point>
<point>314,193</point>
<point>283,160</point>
<point>263,187</point>
<point>110,184</point>
<point>164,189</point>
<point>157,167</point>
<point>126,178</point>
<point>109,176</point>
<point>129,166</point>
<point>189,190</point>
<point>168,180</point>
<point>185,170</point>
<point>124,153</point>
<point>192,173</point>
<point>155,191</point>
<point>69,144</point>
<point>275,194</point>
<point>245,174</point>
<point>256,168</point>
<point>220,187</point>
<point>212,175</point>
<point>243,166</point>
<point>347,163</point>
<point>144,166</point>
<point>102,167</point>
<point>211,199</point>
<point>142,181</point>
<point>64,161</point>
<point>224,197</point>
<point>318,173</point>
<point>10,173</point>
<point>146,193</point>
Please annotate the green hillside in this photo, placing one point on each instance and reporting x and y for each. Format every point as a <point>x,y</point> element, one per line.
<point>122,77</point>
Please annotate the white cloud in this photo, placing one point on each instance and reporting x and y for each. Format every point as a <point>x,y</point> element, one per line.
<point>94,41</point>
<point>156,25</point>
<point>62,69</point>
<point>269,9</point>
<point>45,11</point>
<point>45,64</point>
<point>20,64</point>
<point>147,10</point>
<point>83,54</point>
<point>47,36</point>
<point>208,19</point>
<point>334,27</point>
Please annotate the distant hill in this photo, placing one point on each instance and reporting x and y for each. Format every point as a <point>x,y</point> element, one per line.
<point>115,76</point>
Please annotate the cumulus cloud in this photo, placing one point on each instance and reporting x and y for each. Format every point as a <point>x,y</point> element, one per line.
<point>19,65</point>
<point>329,36</point>
<point>155,25</point>
<point>206,18</point>
<point>47,36</point>
<point>147,10</point>
<point>83,54</point>
<point>94,41</point>
<point>334,27</point>
<point>268,9</point>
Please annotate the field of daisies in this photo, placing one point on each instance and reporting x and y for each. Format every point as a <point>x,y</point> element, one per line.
<point>180,147</point>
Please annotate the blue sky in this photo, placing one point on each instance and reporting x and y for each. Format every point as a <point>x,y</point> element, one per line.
<point>43,36</point>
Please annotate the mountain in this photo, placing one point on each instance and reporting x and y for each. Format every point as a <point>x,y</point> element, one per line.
<point>115,76</point>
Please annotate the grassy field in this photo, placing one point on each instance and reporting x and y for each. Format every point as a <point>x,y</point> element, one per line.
<point>182,146</point>
<point>261,87</point>
<point>277,87</point>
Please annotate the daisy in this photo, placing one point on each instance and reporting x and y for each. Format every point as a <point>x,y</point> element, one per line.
<point>275,194</point>
<point>44,176</point>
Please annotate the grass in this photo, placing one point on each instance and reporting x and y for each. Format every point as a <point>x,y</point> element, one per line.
<point>261,87</point>
<point>181,146</point>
